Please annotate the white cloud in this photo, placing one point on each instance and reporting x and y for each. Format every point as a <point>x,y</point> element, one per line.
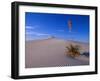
<point>28,27</point>
<point>31,27</point>
<point>31,32</point>
<point>37,34</point>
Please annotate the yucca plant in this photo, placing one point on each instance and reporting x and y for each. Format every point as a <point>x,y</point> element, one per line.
<point>73,50</point>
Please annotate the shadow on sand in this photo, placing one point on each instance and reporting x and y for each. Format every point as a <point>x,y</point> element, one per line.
<point>86,54</point>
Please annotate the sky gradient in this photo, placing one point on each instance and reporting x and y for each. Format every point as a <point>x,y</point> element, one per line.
<point>44,25</point>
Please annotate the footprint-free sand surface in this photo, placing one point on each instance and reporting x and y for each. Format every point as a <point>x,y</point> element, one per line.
<point>51,52</point>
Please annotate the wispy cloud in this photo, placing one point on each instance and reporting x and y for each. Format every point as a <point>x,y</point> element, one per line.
<point>31,27</point>
<point>37,34</point>
<point>30,32</point>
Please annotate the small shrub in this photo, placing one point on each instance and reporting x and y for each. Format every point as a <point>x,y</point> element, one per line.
<point>73,50</point>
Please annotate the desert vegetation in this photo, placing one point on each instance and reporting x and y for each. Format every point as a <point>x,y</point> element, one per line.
<point>73,50</point>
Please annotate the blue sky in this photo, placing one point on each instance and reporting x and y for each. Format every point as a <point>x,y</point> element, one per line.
<point>44,25</point>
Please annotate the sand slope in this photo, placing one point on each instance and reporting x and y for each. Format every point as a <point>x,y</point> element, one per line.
<point>51,53</point>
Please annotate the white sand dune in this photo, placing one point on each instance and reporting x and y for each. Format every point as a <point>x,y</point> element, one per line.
<point>51,53</point>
